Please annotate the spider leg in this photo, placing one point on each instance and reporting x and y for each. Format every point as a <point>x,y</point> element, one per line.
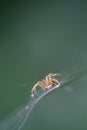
<point>48,77</point>
<point>34,91</point>
<point>57,74</point>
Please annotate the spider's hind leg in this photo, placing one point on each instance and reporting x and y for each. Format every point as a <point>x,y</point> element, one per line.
<point>34,91</point>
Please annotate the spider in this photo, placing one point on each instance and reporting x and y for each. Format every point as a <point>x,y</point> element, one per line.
<point>45,84</point>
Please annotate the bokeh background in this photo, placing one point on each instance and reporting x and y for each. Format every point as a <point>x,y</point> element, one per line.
<point>37,38</point>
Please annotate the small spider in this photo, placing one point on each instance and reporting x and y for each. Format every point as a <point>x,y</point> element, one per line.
<point>45,84</point>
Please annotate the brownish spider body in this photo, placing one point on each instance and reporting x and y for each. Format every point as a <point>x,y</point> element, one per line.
<point>46,83</point>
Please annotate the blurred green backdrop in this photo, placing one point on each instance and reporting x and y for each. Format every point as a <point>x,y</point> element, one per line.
<point>35,39</point>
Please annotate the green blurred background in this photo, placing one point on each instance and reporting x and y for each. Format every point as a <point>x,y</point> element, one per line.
<point>37,38</point>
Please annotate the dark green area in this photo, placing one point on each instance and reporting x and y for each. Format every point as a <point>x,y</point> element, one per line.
<point>38,38</point>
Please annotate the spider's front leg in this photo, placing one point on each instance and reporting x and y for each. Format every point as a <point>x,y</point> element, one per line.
<point>55,81</point>
<point>57,74</point>
<point>48,77</point>
<point>34,91</point>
